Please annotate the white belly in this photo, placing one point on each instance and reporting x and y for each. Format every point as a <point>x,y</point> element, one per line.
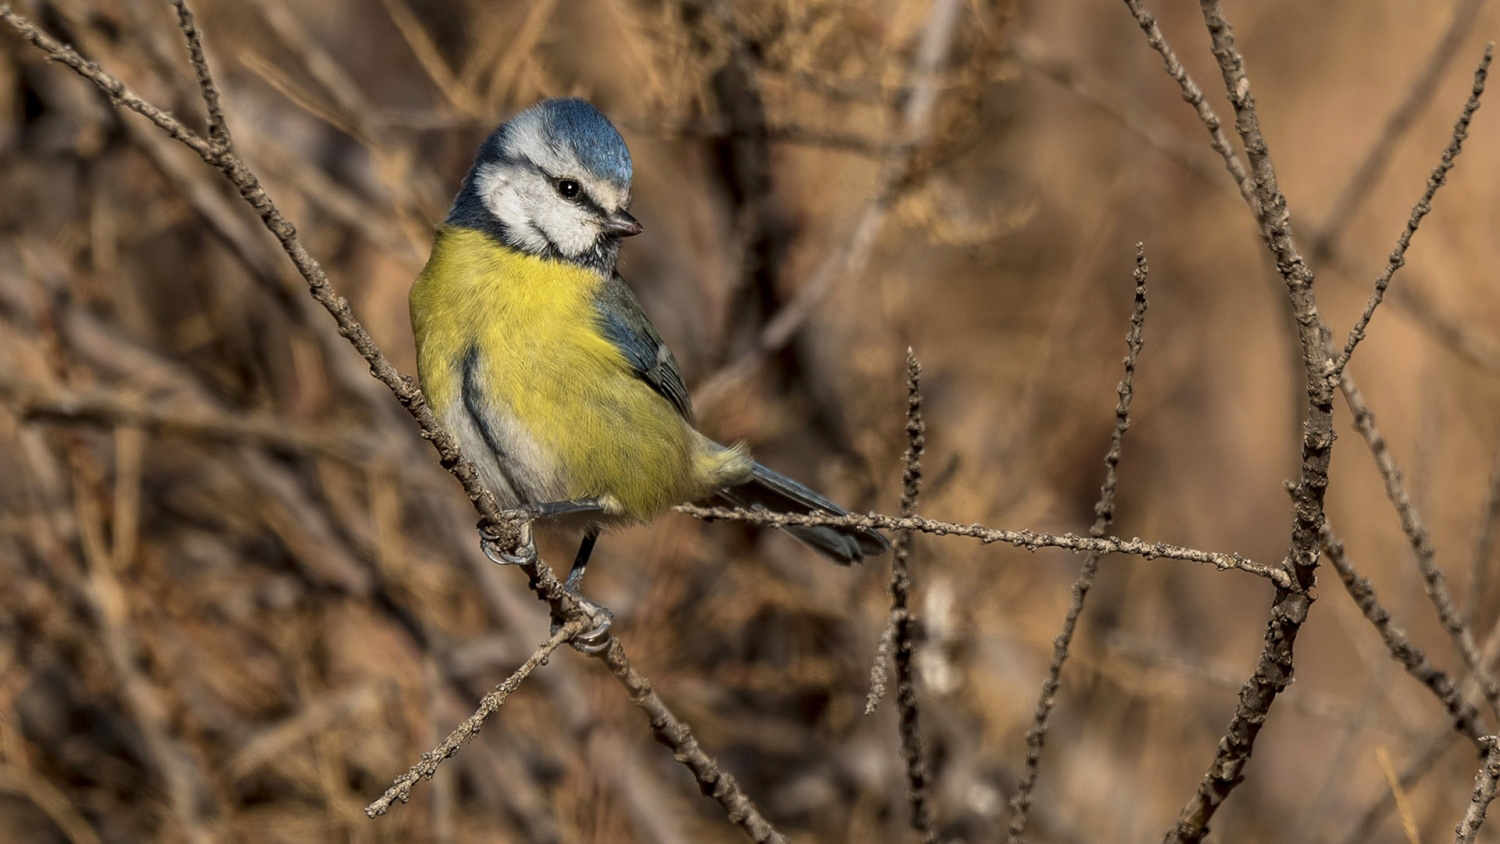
<point>521,472</point>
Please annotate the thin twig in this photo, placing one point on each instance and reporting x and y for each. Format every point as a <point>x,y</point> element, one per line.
<point>489,705</point>
<point>901,624</point>
<point>218,131</point>
<point>675,735</point>
<point>1363,179</point>
<point>1465,716</point>
<point>509,529</point>
<point>1433,579</point>
<point>1029,539</point>
<point>1484,791</point>
<point>1104,511</point>
<point>1424,205</point>
<point>1318,430</point>
<point>884,646</point>
<point>1193,96</point>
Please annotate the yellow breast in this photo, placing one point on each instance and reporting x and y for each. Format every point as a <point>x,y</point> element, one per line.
<point>512,342</point>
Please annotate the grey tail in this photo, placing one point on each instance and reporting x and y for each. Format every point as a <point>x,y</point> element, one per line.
<point>767,490</point>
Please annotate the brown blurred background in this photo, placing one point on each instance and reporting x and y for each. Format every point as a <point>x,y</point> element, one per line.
<point>241,627</point>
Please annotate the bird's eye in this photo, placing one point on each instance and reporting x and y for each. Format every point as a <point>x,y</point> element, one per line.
<point>568,188</point>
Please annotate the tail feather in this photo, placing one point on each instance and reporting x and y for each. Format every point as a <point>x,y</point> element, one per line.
<point>767,490</point>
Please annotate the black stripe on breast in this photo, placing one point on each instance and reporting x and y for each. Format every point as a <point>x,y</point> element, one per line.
<point>473,396</point>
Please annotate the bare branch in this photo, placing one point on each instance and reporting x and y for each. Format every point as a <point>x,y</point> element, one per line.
<point>218,131</point>
<point>1036,736</point>
<point>1484,791</point>
<point>1193,96</point>
<point>1424,205</point>
<point>424,769</point>
<point>1465,716</point>
<point>1459,339</point>
<point>901,623</point>
<point>1416,533</point>
<point>675,735</point>
<point>1273,670</point>
<point>1029,539</point>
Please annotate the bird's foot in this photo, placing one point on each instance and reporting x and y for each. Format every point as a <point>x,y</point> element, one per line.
<point>595,640</point>
<point>500,554</point>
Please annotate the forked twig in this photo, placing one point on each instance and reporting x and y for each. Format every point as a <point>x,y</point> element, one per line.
<point>1273,669</point>
<point>1104,511</point>
<point>489,705</point>
<point>1193,96</point>
<point>218,130</point>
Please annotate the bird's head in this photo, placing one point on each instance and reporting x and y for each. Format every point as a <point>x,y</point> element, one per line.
<point>554,181</point>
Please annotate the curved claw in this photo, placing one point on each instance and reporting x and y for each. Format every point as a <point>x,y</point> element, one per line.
<point>595,640</point>
<point>491,547</point>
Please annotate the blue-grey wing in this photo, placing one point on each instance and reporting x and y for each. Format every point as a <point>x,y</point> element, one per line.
<point>625,324</point>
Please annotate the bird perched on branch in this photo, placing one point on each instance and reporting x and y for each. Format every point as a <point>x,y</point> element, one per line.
<point>537,357</point>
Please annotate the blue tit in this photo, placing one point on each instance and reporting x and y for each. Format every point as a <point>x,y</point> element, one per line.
<point>537,357</point>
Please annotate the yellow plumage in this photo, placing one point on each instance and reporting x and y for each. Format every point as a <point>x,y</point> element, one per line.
<point>513,358</point>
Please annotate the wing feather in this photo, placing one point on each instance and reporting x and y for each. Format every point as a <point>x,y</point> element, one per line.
<point>623,321</point>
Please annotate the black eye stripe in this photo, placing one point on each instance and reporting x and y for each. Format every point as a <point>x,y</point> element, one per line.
<point>583,198</point>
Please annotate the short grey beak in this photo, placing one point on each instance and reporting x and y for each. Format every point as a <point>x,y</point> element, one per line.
<point>621,224</point>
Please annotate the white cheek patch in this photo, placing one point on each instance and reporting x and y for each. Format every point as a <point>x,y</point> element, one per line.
<point>527,204</point>
<point>568,225</point>
<point>503,190</point>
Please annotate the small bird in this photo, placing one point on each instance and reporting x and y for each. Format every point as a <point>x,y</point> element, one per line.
<point>538,358</point>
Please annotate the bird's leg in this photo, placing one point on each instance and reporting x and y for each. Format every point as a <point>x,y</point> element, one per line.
<point>581,562</point>
<point>591,641</point>
<point>595,640</point>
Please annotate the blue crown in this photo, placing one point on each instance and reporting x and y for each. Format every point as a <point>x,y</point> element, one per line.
<point>577,124</point>
<point>571,124</point>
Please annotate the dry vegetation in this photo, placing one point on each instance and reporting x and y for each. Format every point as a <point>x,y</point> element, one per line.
<point>239,595</point>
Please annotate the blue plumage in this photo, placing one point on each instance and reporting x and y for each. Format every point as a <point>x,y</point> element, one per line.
<point>560,140</point>
<point>574,123</point>
<point>574,128</point>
